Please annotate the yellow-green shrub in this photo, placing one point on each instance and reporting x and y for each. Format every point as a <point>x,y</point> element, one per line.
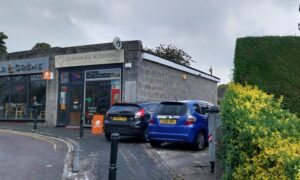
<point>259,139</point>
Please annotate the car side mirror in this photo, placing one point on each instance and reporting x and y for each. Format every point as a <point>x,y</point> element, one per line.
<point>204,110</point>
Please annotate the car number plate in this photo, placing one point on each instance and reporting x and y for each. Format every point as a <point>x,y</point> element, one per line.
<point>119,118</point>
<point>168,121</point>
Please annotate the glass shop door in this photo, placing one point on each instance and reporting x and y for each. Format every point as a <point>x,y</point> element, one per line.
<point>97,99</point>
<point>102,90</point>
<point>70,104</point>
<point>76,104</point>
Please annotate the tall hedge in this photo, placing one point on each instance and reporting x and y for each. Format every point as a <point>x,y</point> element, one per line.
<point>259,139</point>
<point>273,64</point>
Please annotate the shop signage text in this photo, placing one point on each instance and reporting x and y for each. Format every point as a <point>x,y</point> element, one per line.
<point>91,58</point>
<point>26,66</point>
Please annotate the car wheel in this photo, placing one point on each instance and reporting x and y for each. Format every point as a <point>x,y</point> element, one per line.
<point>145,136</point>
<point>108,136</point>
<point>199,144</point>
<point>155,143</point>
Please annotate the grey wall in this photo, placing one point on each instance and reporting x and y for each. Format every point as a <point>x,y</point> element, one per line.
<point>158,82</point>
<point>132,54</point>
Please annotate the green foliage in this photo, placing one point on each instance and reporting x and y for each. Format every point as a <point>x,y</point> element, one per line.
<point>41,45</point>
<point>272,64</point>
<point>3,48</point>
<point>259,139</point>
<point>172,53</point>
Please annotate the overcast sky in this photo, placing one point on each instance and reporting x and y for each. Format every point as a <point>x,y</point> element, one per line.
<point>205,29</point>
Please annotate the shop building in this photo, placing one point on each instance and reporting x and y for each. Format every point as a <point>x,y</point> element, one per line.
<point>89,79</point>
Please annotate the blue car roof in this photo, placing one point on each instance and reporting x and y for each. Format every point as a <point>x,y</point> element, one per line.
<point>190,102</point>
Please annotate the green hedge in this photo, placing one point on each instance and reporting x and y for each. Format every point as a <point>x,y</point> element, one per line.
<point>259,139</point>
<point>273,64</point>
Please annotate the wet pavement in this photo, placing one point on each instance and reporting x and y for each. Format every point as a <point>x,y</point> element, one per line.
<point>30,156</point>
<point>136,160</point>
<point>183,162</point>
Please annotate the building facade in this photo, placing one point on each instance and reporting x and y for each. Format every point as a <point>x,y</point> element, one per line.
<point>89,79</point>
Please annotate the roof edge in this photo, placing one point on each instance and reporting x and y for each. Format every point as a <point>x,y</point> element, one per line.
<point>159,60</point>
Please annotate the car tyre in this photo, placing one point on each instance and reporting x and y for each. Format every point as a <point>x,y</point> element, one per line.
<point>108,136</point>
<point>199,144</point>
<point>154,143</point>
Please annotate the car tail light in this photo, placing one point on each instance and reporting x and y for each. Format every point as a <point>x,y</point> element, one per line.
<point>190,120</point>
<point>151,121</point>
<point>140,113</point>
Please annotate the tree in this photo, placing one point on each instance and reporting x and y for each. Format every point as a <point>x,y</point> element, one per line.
<point>41,45</point>
<point>221,91</point>
<point>3,48</point>
<point>172,53</point>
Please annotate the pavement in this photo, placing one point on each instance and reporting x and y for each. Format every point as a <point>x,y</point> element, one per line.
<point>185,163</point>
<point>89,158</point>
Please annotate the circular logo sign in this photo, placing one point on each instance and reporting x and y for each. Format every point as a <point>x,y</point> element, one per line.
<point>117,43</point>
<point>97,123</point>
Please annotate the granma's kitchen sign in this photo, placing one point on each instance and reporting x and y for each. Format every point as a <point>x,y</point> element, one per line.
<point>25,66</point>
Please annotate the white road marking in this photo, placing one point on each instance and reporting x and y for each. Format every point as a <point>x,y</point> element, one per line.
<point>36,136</point>
<point>67,170</point>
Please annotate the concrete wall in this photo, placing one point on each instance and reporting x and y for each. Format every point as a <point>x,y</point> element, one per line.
<point>158,82</point>
<point>132,54</point>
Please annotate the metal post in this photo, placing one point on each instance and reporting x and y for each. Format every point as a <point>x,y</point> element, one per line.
<point>213,124</point>
<point>113,156</point>
<point>35,117</point>
<point>81,126</point>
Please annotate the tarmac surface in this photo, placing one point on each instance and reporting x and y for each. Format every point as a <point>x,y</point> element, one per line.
<point>136,160</point>
<point>30,156</point>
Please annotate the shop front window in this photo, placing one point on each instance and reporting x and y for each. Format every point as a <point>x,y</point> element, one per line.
<point>5,109</point>
<point>17,96</point>
<point>102,90</point>
<point>71,77</point>
<point>37,94</point>
<point>87,93</point>
<point>97,99</point>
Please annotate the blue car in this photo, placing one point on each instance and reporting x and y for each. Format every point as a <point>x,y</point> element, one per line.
<point>180,121</point>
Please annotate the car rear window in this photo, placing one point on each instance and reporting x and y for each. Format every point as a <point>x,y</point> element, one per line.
<point>175,109</point>
<point>150,107</point>
<point>124,109</point>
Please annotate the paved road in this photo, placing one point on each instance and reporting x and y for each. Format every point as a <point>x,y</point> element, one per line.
<point>134,161</point>
<point>29,156</point>
<point>183,162</point>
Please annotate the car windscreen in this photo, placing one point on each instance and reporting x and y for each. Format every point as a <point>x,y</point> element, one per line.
<point>174,109</point>
<point>123,109</point>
